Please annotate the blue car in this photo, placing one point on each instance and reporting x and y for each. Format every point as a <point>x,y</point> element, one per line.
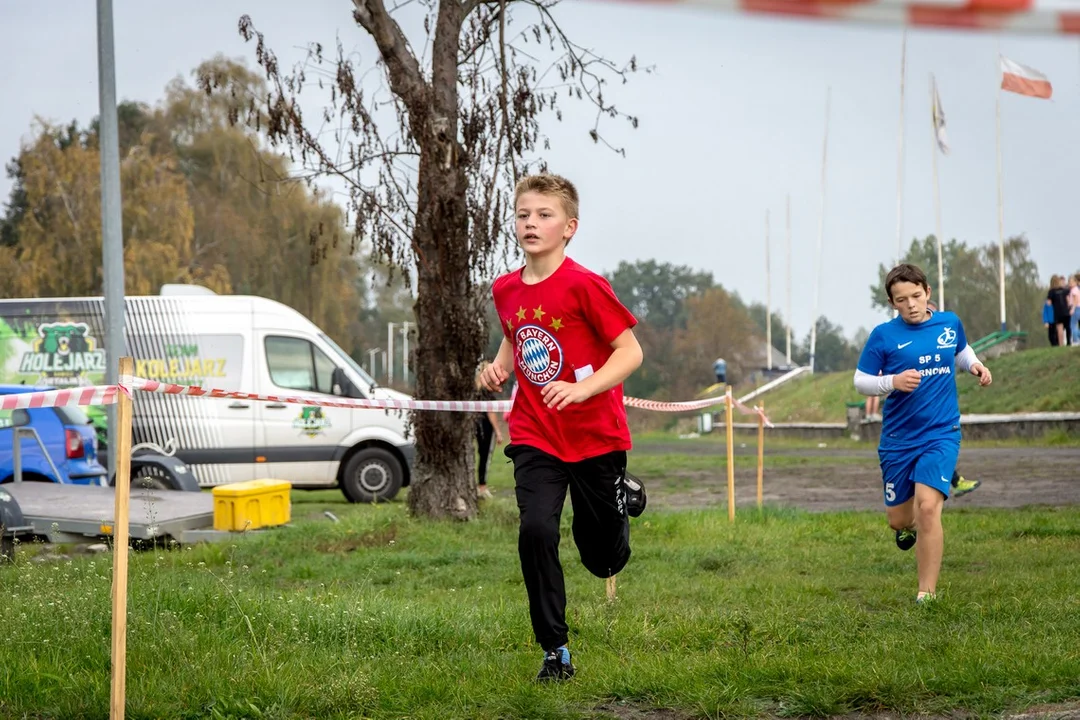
<point>67,435</point>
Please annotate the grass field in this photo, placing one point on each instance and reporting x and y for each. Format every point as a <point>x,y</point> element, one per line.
<point>783,613</point>
<point>1043,380</point>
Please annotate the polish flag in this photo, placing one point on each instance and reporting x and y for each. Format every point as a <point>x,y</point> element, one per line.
<point>1021,79</point>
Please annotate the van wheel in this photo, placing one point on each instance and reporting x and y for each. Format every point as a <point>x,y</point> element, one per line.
<point>372,475</point>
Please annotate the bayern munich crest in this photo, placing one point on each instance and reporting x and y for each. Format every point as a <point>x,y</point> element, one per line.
<point>539,354</point>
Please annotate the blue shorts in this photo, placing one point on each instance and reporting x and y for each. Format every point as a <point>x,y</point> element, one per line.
<point>931,464</point>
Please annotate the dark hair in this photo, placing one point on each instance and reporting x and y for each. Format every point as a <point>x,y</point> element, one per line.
<point>905,272</point>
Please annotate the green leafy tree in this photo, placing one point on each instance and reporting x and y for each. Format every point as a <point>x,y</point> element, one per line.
<point>833,351</point>
<point>972,285</point>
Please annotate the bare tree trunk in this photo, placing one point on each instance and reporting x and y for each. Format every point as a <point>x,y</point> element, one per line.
<point>443,480</point>
<point>448,350</point>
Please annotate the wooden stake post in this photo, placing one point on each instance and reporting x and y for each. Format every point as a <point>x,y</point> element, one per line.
<point>729,422</point>
<point>120,545</point>
<point>760,453</point>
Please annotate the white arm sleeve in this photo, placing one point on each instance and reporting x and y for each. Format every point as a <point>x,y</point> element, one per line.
<point>967,359</point>
<point>868,384</point>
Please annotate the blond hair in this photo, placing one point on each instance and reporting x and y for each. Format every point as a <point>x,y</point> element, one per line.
<point>1056,281</point>
<point>553,186</point>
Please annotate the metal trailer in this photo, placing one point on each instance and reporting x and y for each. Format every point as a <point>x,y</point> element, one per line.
<point>79,513</point>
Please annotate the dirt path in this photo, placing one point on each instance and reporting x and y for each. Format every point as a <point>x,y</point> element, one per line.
<point>1011,477</point>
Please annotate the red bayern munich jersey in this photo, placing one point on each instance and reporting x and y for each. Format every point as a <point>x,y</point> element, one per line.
<point>561,329</point>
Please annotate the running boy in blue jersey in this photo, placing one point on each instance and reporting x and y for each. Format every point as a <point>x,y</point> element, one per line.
<point>917,353</point>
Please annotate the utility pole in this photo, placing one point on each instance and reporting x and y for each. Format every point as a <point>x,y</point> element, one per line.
<point>390,353</point>
<point>405,352</point>
<point>112,236</point>
<point>372,353</point>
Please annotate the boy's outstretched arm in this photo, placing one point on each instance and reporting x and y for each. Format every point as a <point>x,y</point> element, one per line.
<point>625,359</point>
<point>968,361</point>
<point>499,370</point>
<point>868,384</point>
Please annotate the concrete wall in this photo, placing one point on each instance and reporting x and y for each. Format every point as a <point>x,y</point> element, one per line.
<point>975,427</point>
<point>997,427</point>
<point>802,431</point>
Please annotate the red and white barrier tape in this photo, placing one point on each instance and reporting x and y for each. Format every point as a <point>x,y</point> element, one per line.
<point>106,395</point>
<point>82,396</point>
<point>752,411</point>
<point>144,385</point>
<point>1042,17</point>
<point>664,406</point>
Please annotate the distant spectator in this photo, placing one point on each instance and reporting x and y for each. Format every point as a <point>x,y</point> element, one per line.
<point>513,396</point>
<point>1059,299</point>
<point>487,432</point>
<point>873,407</point>
<point>1074,308</point>
<point>720,368</point>
<point>1048,323</point>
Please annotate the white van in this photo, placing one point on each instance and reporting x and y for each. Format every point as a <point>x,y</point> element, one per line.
<point>190,336</point>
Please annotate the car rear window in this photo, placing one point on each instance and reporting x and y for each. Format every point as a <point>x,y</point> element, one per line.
<point>72,416</point>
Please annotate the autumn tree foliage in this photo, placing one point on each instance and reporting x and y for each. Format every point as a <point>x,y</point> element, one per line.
<point>204,202</point>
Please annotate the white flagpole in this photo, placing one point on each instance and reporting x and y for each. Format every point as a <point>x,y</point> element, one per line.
<point>390,353</point>
<point>1001,201</point>
<point>768,298</point>
<point>937,196</point>
<point>787,314</point>
<point>821,231</point>
<point>900,158</point>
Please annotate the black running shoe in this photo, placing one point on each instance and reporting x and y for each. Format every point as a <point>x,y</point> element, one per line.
<point>556,666</point>
<point>905,539</point>
<point>635,495</point>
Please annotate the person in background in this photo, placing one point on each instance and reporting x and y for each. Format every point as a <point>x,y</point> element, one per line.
<point>1059,299</point>
<point>1048,323</point>
<point>873,406</point>
<point>1074,308</point>
<point>720,368</point>
<point>488,435</point>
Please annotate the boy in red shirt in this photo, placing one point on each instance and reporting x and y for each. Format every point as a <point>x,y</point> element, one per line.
<point>571,343</point>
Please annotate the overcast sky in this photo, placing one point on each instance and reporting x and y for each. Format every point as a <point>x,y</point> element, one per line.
<point>732,121</point>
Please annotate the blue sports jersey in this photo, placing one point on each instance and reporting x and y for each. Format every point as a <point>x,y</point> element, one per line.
<point>932,410</point>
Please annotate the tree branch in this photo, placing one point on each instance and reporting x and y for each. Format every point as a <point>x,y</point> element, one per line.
<point>467,6</point>
<point>503,95</point>
<point>467,53</point>
<point>406,78</point>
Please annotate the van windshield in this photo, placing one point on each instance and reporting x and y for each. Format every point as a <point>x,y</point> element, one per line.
<point>347,359</point>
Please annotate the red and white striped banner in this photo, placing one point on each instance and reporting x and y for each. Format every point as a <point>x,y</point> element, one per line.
<point>751,411</point>
<point>143,385</point>
<point>1043,17</point>
<point>106,395</point>
<point>82,396</point>
<point>663,406</point>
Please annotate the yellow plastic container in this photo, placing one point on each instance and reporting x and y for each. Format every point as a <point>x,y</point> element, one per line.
<point>251,505</point>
